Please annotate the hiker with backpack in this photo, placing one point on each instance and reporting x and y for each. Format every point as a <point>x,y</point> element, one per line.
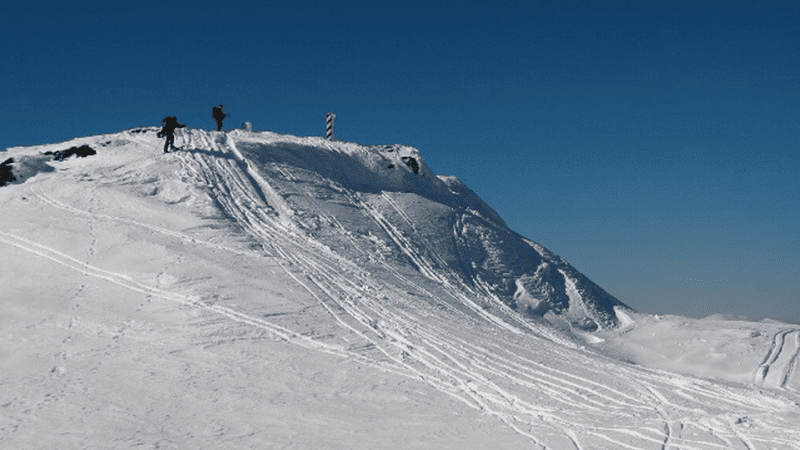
<point>169,124</point>
<point>219,115</point>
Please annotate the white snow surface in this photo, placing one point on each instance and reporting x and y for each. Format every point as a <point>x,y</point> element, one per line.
<point>257,290</point>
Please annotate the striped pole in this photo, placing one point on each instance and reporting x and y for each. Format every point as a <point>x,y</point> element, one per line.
<point>329,118</point>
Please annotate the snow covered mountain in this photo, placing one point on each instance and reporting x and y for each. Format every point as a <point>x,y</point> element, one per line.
<point>256,290</point>
<point>376,204</point>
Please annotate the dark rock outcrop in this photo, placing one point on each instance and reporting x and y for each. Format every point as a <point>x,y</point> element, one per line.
<point>82,151</point>
<point>6,175</point>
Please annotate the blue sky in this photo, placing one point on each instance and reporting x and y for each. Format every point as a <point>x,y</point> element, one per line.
<point>654,145</point>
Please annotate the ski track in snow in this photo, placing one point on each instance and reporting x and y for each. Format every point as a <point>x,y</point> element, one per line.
<point>791,368</point>
<point>128,283</point>
<point>779,364</point>
<point>156,229</point>
<point>535,390</point>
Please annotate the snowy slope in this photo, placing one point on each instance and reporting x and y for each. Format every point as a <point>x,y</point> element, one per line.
<point>256,290</point>
<point>434,225</point>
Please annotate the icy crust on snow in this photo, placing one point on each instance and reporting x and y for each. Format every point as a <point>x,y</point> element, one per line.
<point>445,230</point>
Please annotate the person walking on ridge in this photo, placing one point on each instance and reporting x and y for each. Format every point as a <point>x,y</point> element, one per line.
<point>169,124</point>
<point>219,115</point>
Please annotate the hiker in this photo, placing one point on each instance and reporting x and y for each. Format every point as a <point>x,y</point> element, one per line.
<point>169,124</point>
<point>219,115</point>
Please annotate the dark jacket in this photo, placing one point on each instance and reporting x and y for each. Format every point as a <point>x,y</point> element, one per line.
<point>169,124</point>
<point>218,114</point>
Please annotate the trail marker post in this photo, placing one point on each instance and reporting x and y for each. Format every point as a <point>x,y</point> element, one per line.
<point>329,119</point>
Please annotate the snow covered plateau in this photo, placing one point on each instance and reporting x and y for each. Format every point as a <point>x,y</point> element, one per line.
<point>256,290</point>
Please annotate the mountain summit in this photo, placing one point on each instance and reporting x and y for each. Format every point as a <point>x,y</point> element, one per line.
<point>372,205</point>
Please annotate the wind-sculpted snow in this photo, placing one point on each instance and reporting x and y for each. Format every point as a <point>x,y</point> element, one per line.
<point>254,290</point>
<point>442,228</point>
